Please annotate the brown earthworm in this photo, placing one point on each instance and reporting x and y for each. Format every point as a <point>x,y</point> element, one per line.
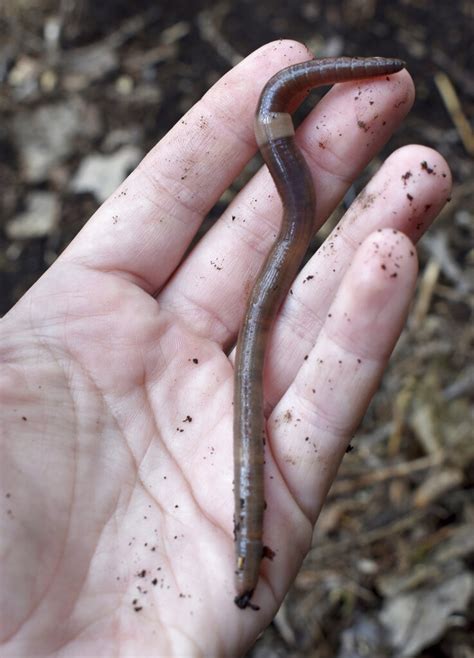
<point>275,137</point>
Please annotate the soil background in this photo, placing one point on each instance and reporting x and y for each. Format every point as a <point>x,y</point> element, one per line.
<point>391,569</point>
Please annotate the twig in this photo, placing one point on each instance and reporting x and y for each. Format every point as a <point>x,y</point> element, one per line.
<point>381,475</point>
<point>425,293</point>
<point>463,385</point>
<point>453,106</point>
<point>209,24</point>
<point>437,246</point>
<point>398,526</point>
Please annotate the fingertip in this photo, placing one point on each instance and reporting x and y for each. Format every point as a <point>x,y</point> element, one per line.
<point>407,192</point>
<point>372,303</point>
<point>422,186</point>
<point>407,85</point>
<point>427,161</point>
<point>285,46</point>
<point>389,254</point>
<point>276,55</point>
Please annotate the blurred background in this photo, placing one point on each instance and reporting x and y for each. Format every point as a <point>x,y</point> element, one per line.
<point>87,88</point>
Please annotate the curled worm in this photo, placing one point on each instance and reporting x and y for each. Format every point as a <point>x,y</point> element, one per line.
<point>275,137</point>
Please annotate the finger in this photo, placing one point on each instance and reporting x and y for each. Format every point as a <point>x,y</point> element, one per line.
<point>212,285</point>
<point>145,227</point>
<point>313,423</point>
<point>406,193</point>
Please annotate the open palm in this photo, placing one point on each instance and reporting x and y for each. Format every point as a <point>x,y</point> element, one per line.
<point>116,377</point>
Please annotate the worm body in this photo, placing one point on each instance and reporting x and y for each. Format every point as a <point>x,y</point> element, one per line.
<point>275,137</point>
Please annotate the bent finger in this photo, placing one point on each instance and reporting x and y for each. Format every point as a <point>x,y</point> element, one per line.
<point>145,227</point>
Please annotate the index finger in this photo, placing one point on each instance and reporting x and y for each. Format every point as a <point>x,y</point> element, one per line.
<point>145,227</point>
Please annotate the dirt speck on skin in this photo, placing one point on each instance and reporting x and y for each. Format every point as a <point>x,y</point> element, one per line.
<point>425,167</point>
<point>366,199</point>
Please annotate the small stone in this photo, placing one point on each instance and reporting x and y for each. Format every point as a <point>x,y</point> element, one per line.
<point>38,220</point>
<point>101,174</point>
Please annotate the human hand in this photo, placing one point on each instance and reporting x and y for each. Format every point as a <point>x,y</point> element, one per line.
<point>116,386</point>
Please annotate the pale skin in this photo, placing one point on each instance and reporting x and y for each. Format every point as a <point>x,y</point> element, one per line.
<point>116,379</point>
